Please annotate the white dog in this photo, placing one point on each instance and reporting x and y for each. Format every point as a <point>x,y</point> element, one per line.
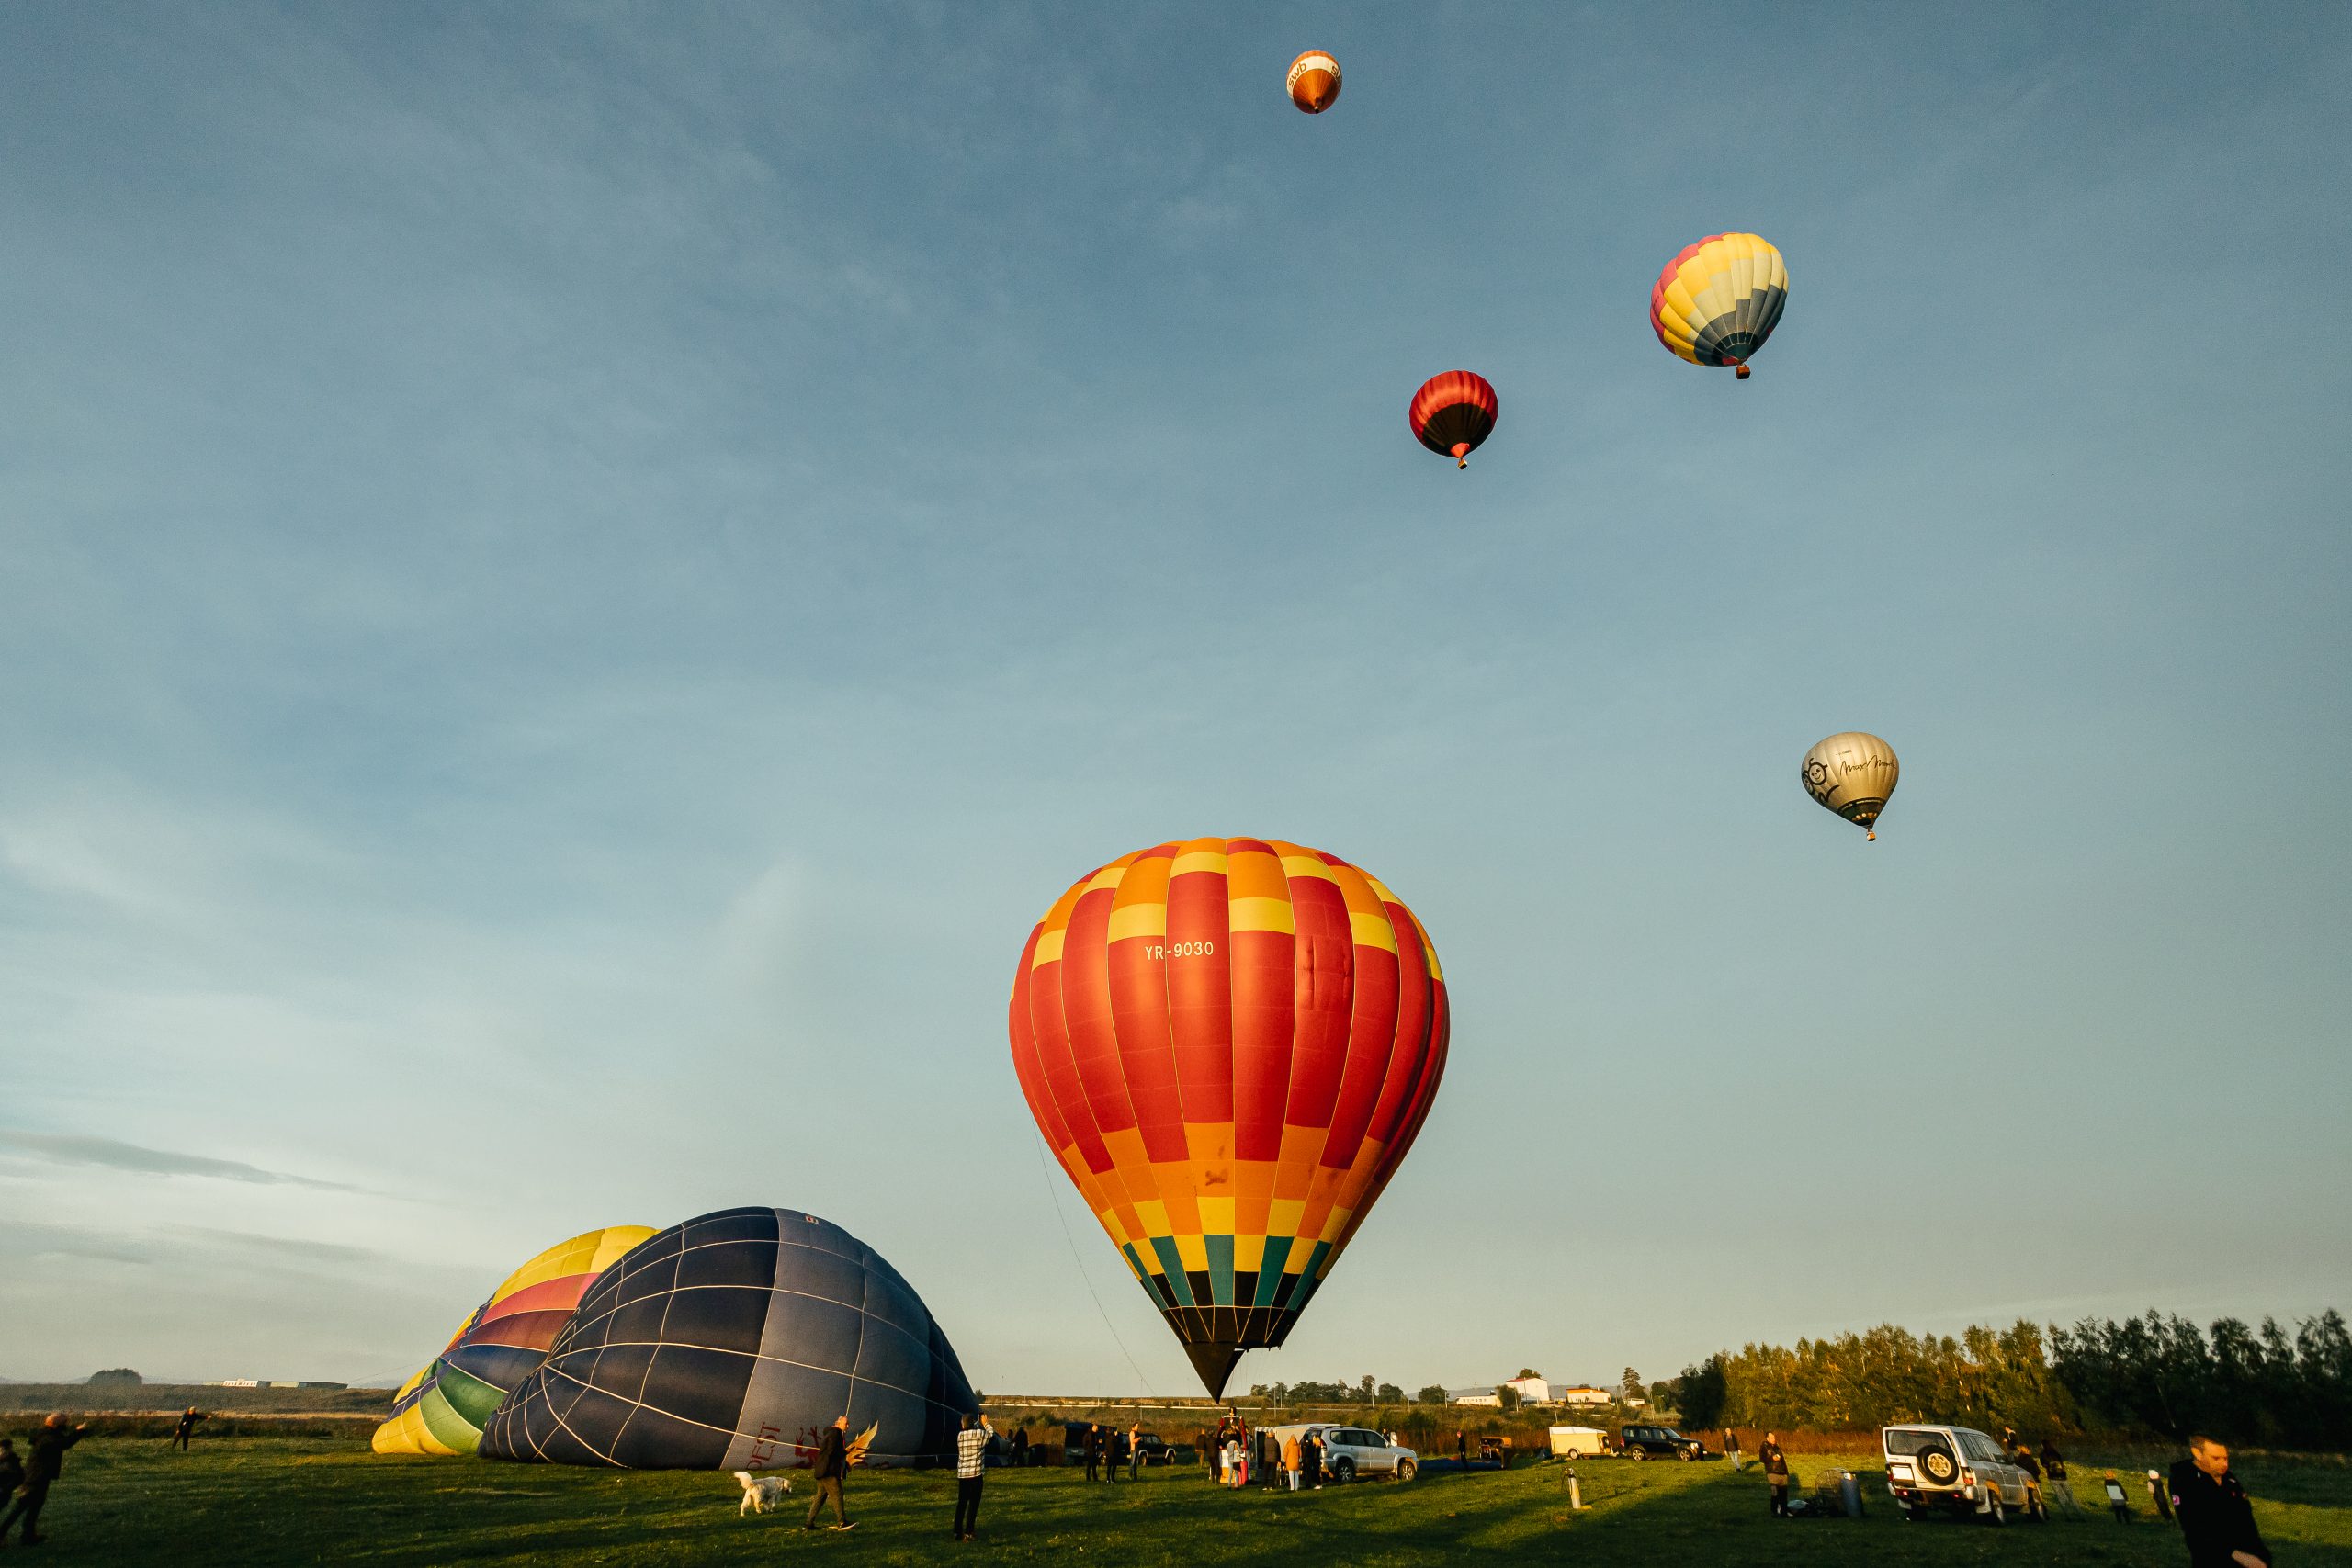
<point>760,1493</point>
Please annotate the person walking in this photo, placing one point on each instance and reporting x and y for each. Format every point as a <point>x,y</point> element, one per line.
<point>1776,1473</point>
<point>1731,1450</point>
<point>831,1470</point>
<point>186,1428</point>
<point>2053,1479</point>
<point>972,1469</point>
<point>1291,1459</point>
<point>44,1462</point>
<point>2216,1515</point>
<point>1135,1452</point>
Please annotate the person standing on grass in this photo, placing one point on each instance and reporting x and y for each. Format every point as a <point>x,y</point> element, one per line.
<point>1731,1450</point>
<point>2053,1479</point>
<point>1135,1452</point>
<point>1462,1448</point>
<point>1776,1473</point>
<point>1291,1459</point>
<point>972,1469</point>
<point>1093,1452</point>
<point>2022,1457</point>
<point>2216,1515</point>
<point>186,1428</point>
<point>12,1469</point>
<point>44,1462</point>
<point>832,1471</point>
<point>1312,1460</point>
<point>1020,1448</point>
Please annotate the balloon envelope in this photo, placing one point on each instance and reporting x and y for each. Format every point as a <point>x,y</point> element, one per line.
<point>1852,775</point>
<point>1314,82</point>
<point>1454,412</point>
<point>731,1342</point>
<point>443,1408</point>
<point>1717,302</point>
<point>1230,1044</point>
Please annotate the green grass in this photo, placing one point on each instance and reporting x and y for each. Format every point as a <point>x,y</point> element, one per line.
<point>265,1501</point>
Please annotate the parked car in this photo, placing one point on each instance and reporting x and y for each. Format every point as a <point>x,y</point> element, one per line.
<point>1152,1449</point>
<point>1350,1452</point>
<point>1955,1469</point>
<point>1642,1442</point>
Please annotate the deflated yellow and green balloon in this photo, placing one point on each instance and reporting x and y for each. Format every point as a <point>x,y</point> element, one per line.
<point>443,1408</point>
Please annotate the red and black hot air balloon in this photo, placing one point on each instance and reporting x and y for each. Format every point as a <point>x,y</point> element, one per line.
<point>1452,413</point>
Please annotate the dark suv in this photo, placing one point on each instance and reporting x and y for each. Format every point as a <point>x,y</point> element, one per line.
<point>1641,1442</point>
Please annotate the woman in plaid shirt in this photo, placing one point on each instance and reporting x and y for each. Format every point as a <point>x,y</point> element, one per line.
<point>971,1468</point>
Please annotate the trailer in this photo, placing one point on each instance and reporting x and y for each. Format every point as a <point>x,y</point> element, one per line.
<point>1580,1442</point>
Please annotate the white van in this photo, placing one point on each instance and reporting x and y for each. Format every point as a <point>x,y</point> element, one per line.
<point>1580,1442</point>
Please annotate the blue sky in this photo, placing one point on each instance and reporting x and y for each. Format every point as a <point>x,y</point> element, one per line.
<point>573,579</point>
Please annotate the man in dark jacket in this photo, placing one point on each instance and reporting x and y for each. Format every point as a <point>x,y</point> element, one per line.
<point>44,1462</point>
<point>2054,1486</point>
<point>1094,1452</point>
<point>1776,1473</point>
<point>12,1469</point>
<point>830,1470</point>
<point>2216,1517</point>
<point>186,1428</point>
<point>1310,1461</point>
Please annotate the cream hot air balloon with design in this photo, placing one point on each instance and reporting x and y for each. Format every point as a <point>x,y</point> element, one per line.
<point>1852,775</point>
<point>1314,82</point>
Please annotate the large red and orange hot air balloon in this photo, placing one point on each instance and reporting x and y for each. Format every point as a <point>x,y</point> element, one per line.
<point>1314,81</point>
<point>1230,1044</point>
<point>1452,413</point>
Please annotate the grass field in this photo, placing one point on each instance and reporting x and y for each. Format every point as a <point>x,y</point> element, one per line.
<point>261,1501</point>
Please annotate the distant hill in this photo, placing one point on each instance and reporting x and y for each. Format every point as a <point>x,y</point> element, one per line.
<point>156,1397</point>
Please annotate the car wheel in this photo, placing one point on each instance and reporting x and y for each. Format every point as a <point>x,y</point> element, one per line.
<point>1637,1454</point>
<point>1406,1470</point>
<point>1997,1512</point>
<point>1685,1455</point>
<point>1343,1470</point>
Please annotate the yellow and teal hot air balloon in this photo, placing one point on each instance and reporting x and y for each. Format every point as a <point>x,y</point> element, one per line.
<point>1716,302</point>
<point>443,1409</point>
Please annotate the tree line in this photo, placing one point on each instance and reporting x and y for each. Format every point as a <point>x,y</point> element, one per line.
<point>2152,1376</point>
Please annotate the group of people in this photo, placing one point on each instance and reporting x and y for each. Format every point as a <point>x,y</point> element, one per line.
<point>1108,1448</point>
<point>25,1481</point>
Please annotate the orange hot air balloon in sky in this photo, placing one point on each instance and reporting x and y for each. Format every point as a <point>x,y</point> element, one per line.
<point>1314,81</point>
<point>1453,413</point>
<point>1230,1044</point>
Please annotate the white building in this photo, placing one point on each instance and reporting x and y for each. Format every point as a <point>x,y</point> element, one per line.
<point>1473,1396</point>
<point>1531,1390</point>
<point>1584,1393</point>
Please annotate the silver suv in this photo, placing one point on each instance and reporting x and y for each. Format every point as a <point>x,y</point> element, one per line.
<point>1350,1452</point>
<point>1955,1469</point>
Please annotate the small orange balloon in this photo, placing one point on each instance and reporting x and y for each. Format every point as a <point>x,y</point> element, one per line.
<point>1314,81</point>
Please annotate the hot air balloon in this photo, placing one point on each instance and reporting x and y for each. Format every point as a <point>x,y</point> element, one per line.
<point>1314,81</point>
<point>1452,413</point>
<point>1230,1044</point>
<point>1716,302</point>
<point>731,1342</point>
<point>1852,775</point>
<point>442,1409</point>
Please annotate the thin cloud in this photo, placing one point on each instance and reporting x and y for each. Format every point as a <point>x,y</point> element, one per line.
<point>69,1149</point>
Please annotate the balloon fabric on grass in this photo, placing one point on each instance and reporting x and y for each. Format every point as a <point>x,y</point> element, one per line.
<point>731,1342</point>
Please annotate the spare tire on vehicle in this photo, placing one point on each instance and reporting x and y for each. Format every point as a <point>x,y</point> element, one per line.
<point>1936,1463</point>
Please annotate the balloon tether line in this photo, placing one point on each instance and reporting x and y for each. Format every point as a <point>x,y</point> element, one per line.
<point>1053,1196</point>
